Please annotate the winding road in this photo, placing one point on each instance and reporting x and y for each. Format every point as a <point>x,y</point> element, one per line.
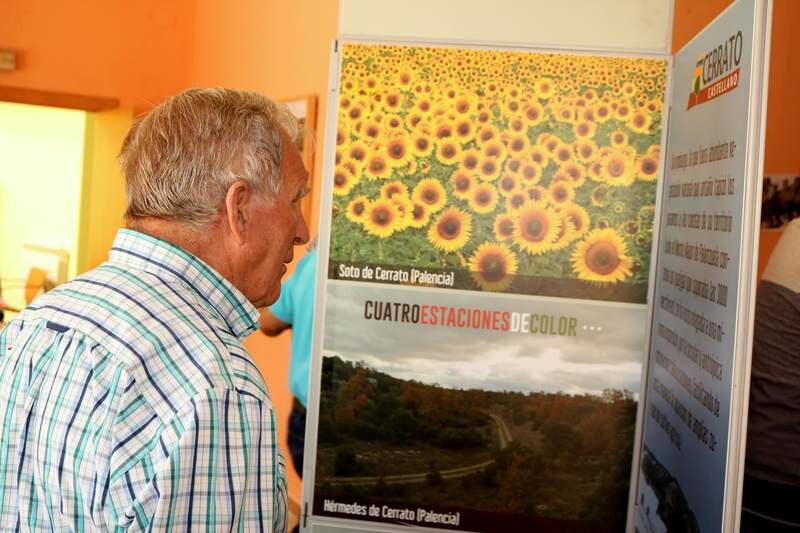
<point>504,437</point>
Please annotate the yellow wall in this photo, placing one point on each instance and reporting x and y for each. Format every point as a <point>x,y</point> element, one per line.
<point>103,192</point>
<point>41,151</point>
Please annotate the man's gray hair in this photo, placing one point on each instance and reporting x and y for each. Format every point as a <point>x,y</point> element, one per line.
<point>180,159</point>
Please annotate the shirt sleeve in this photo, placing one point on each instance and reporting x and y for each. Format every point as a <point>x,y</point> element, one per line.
<point>215,467</point>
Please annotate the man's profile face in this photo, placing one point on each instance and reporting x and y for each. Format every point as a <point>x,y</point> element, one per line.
<point>278,226</point>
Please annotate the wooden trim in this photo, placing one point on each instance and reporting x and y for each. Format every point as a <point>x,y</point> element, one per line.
<point>23,95</point>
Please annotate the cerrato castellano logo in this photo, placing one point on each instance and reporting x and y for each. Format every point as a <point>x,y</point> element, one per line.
<point>717,71</point>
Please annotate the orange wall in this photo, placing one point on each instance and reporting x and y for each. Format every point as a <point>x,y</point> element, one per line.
<point>783,107</point>
<point>281,49</point>
<point>137,51</point>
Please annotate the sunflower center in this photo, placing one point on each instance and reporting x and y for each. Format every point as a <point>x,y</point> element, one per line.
<point>358,208</point>
<point>638,121</point>
<point>448,151</point>
<point>430,196</point>
<point>463,129</point>
<point>560,194</point>
<point>488,167</point>
<point>482,198</point>
<point>422,144</point>
<point>535,229</point>
<point>470,162</point>
<point>372,131</point>
<point>418,212</point>
<point>424,106</point>
<point>358,154</point>
<point>602,258</point>
<point>339,180</point>
<point>616,168</point>
<point>507,184</point>
<point>506,228</point>
<point>381,217</point>
<point>462,184</point>
<point>449,228</point>
<point>648,166</point>
<point>376,166</point>
<point>492,268</point>
<point>517,145</point>
<point>462,107</point>
<point>397,151</point>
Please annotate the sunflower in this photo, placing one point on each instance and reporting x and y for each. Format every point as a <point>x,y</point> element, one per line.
<point>451,230</point>
<point>561,192</point>
<point>585,150</point>
<point>483,117</point>
<point>602,257</point>
<point>577,216</point>
<point>517,125</point>
<point>515,201</point>
<point>584,129</point>
<point>405,209</point>
<point>443,130</point>
<point>343,181</point>
<point>397,152</point>
<point>600,196</point>
<point>533,113</point>
<point>358,151</point>
<point>381,217</point>
<point>640,122</point>
<point>508,184</point>
<point>420,215</point>
<point>421,144</point>
<point>431,193</point>
<point>518,144</point>
<point>377,167</point>
<point>495,149</point>
<point>536,226</point>
<point>464,105</point>
<point>371,129</point>
<point>470,159</point>
<point>647,168</point>
<point>489,169</point>
<point>463,183</point>
<point>464,130</point>
<point>447,152</point>
<point>483,199</point>
<point>356,210</point>
<point>394,188</point>
<point>576,172</point>
<point>566,234</point>
<point>562,153</point>
<point>618,169</point>
<point>618,138</point>
<point>564,112</point>
<point>493,266</point>
<point>544,88</point>
<point>537,193</point>
<point>602,112</point>
<point>503,227</point>
<point>623,111</point>
<point>530,173</point>
<point>540,155</point>
<point>487,133</point>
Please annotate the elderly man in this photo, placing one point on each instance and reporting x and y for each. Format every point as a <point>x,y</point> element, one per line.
<point>126,397</point>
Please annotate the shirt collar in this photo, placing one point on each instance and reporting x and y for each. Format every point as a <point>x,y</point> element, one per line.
<point>137,250</point>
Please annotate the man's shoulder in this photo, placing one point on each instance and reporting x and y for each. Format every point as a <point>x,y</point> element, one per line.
<point>168,340</point>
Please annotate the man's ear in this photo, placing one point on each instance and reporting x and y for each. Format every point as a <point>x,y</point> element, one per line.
<point>237,201</point>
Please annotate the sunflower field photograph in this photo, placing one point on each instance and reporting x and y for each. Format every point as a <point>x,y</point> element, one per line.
<point>519,172</point>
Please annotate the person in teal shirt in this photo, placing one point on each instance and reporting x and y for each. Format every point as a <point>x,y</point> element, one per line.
<point>295,309</point>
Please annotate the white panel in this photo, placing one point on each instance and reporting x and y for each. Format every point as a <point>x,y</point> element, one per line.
<point>640,25</point>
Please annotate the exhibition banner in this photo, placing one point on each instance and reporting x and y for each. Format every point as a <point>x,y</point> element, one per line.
<point>491,216</point>
<point>695,394</point>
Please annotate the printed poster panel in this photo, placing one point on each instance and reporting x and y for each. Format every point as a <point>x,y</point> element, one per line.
<point>693,356</point>
<point>491,229</point>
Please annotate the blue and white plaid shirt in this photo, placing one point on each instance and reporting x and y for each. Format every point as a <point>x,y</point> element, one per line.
<point>127,401</point>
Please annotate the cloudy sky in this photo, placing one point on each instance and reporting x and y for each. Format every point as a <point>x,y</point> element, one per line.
<point>605,353</point>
